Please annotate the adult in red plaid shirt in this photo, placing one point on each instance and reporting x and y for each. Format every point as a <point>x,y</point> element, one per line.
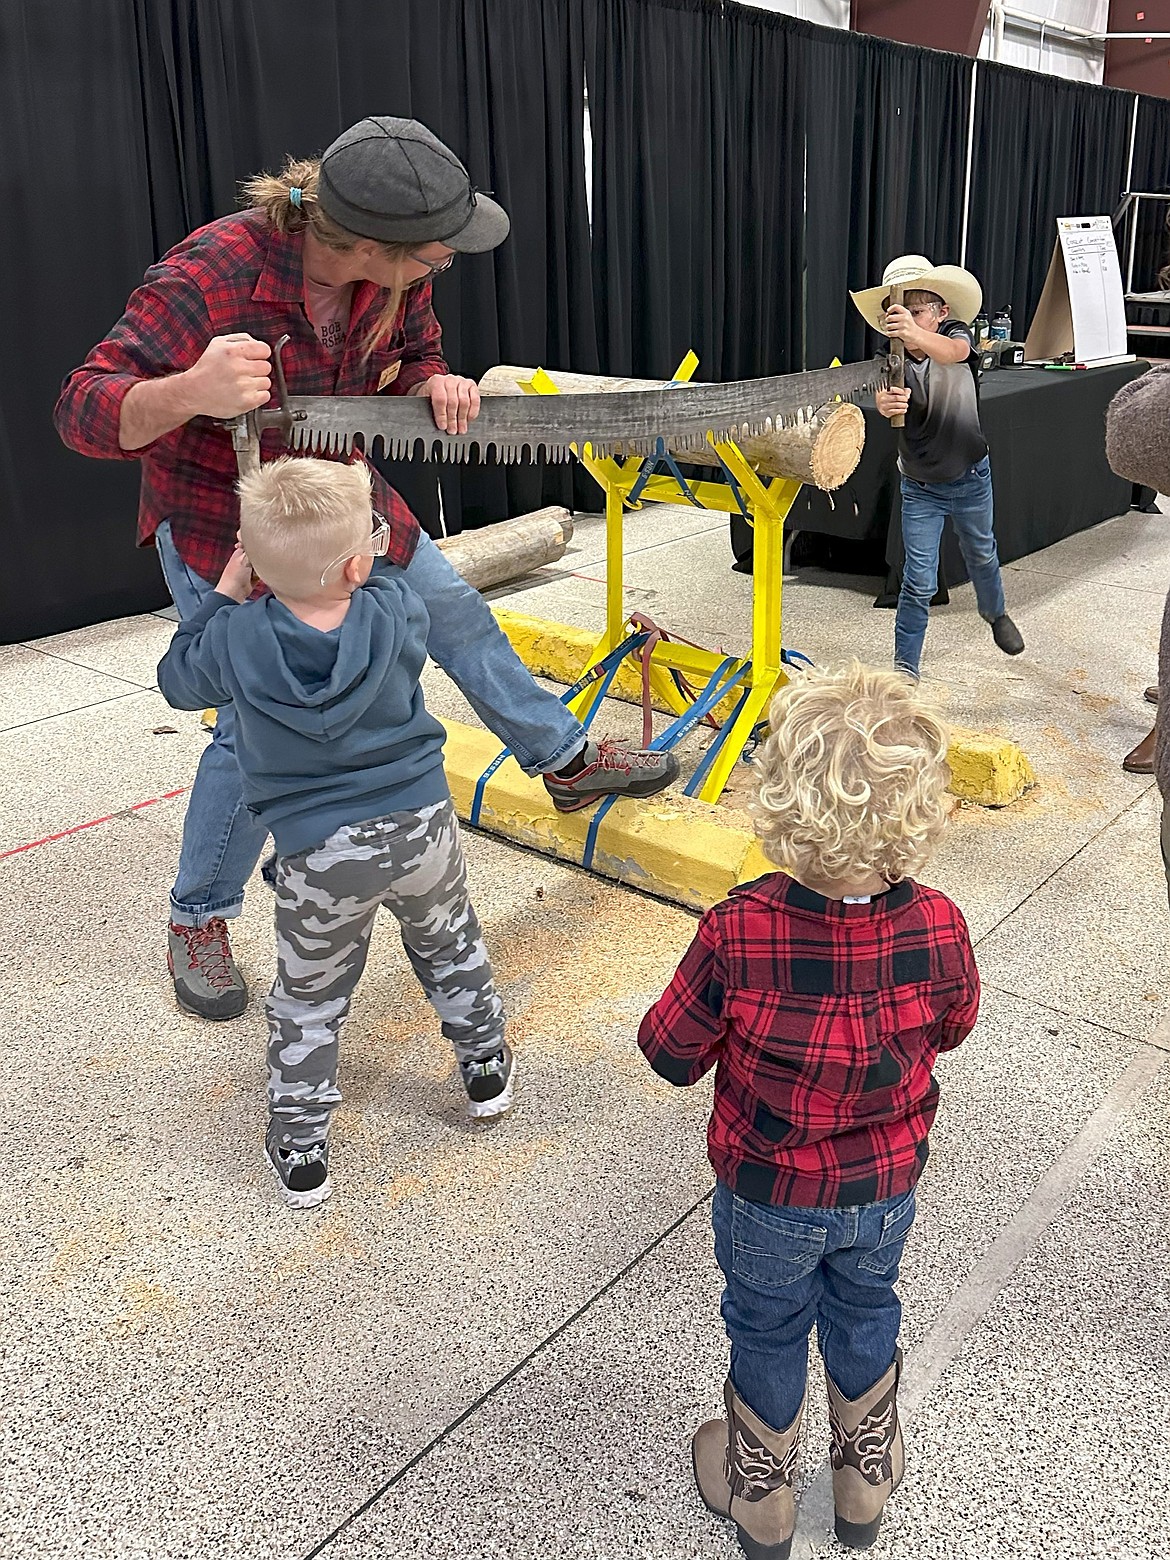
<point>339,254</point>
<point>822,995</point>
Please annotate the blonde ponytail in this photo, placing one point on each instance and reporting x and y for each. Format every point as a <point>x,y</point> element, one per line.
<point>288,200</point>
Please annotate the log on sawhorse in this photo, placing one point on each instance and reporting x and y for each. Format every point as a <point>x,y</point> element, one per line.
<point>754,679</point>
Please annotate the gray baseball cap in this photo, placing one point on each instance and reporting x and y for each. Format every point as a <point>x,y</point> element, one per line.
<point>392,180</point>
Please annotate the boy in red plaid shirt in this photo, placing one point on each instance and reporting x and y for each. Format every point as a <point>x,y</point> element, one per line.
<point>822,994</point>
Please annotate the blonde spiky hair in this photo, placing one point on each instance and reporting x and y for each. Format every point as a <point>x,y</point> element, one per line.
<point>298,515</point>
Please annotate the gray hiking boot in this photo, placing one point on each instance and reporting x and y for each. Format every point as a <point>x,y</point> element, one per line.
<point>611,769</point>
<point>207,980</point>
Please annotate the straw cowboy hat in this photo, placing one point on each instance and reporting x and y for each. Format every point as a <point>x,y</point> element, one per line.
<point>956,287</point>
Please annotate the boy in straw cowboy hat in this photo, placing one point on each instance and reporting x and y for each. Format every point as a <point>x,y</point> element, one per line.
<point>942,454</point>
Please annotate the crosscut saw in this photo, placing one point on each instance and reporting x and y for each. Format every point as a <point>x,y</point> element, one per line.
<point>550,428</point>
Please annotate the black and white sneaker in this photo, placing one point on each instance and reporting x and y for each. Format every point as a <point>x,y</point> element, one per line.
<point>489,1082</point>
<point>303,1173</point>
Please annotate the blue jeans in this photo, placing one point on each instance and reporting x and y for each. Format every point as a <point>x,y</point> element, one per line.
<point>788,1268</point>
<point>223,841</point>
<point>925,507</point>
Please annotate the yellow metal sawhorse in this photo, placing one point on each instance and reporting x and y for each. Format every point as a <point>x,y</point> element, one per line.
<point>768,505</point>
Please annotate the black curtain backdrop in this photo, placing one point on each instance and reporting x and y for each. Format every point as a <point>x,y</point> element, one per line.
<point>235,86</point>
<point>697,188</point>
<point>1044,149</point>
<point>709,123</point>
<point>183,100</point>
<point>81,198</point>
<point>1151,173</point>
<point>886,135</point>
<point>1151,146</point>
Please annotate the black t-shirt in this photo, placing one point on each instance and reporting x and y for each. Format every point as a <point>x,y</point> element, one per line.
<point>942,438</point>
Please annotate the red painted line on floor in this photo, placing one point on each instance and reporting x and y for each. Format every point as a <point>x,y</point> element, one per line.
<point>77,828</point>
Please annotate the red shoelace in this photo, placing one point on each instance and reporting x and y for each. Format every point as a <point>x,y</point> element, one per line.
<point>614,756</point>
<point>209,951</point>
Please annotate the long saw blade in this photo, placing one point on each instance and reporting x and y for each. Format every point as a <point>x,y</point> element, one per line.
<point>547,427</point>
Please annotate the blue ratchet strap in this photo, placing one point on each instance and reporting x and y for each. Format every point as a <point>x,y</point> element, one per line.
<point>649,468</point>
<point>692,786</point>
<point>735,488</point>
<point>760,730</point>
<point>606,669</point>
<point>715,690</point>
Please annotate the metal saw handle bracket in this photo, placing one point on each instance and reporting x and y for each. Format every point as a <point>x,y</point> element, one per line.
<point>248,426</point>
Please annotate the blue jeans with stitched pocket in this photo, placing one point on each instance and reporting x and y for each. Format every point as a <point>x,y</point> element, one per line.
<point>925,507</point>
<point>790,1269</point>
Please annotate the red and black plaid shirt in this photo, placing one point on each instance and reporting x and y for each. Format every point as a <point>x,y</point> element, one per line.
<point>824,1020</point>
<point>235,274</point>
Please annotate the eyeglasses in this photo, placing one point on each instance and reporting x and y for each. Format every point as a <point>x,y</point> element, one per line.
<point>435,267</point>
<point>377,546</point>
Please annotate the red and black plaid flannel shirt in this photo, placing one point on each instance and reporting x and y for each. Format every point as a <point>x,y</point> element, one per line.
<point>235,274</point>
<point>824,1020</point>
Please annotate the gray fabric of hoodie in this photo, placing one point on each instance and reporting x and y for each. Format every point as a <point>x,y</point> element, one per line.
<point>331,728</point>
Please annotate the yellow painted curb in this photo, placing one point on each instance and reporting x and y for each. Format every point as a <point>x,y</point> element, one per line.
<point>987,769</point>
<point>560,652</point>
<point>673,846</point>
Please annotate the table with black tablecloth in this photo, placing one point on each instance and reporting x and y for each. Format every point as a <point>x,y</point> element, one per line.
<point>1045,429</point>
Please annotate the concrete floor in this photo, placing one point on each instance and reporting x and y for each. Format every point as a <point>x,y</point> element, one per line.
<point>496,1342</point>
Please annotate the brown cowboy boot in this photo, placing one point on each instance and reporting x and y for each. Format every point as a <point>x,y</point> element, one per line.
<point>867,1456</point>
<point>1140,761</point>
<point>744,1470</point>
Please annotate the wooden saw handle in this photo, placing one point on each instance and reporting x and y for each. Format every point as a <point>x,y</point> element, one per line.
<point>897,361</point>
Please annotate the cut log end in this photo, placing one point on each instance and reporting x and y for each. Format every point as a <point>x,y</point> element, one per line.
<point>836,449</point>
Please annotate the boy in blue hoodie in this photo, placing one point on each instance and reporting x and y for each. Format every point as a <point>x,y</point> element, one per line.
<point>343,763</point>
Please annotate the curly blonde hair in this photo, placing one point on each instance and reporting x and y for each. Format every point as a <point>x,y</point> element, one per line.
<point>852,778</point>
<point>270,193</point>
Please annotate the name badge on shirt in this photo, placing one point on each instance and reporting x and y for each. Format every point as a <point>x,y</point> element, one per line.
<point>388,375</point>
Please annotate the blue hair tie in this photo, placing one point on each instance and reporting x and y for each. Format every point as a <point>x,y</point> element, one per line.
<point>294,195</point>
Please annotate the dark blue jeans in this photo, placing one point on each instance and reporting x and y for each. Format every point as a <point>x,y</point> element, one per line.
<point>925,507</point>
<point>787,1269</point>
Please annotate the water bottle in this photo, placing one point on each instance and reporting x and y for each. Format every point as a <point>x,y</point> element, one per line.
<point>980,328</point>
<point>1001,325</point>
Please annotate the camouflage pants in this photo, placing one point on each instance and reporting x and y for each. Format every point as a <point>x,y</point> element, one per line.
<point>326,901</point>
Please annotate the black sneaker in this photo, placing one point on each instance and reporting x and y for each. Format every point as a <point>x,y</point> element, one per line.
<point>303,1173</point>
<point>1007,636</point>
<point>489,1083</point>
